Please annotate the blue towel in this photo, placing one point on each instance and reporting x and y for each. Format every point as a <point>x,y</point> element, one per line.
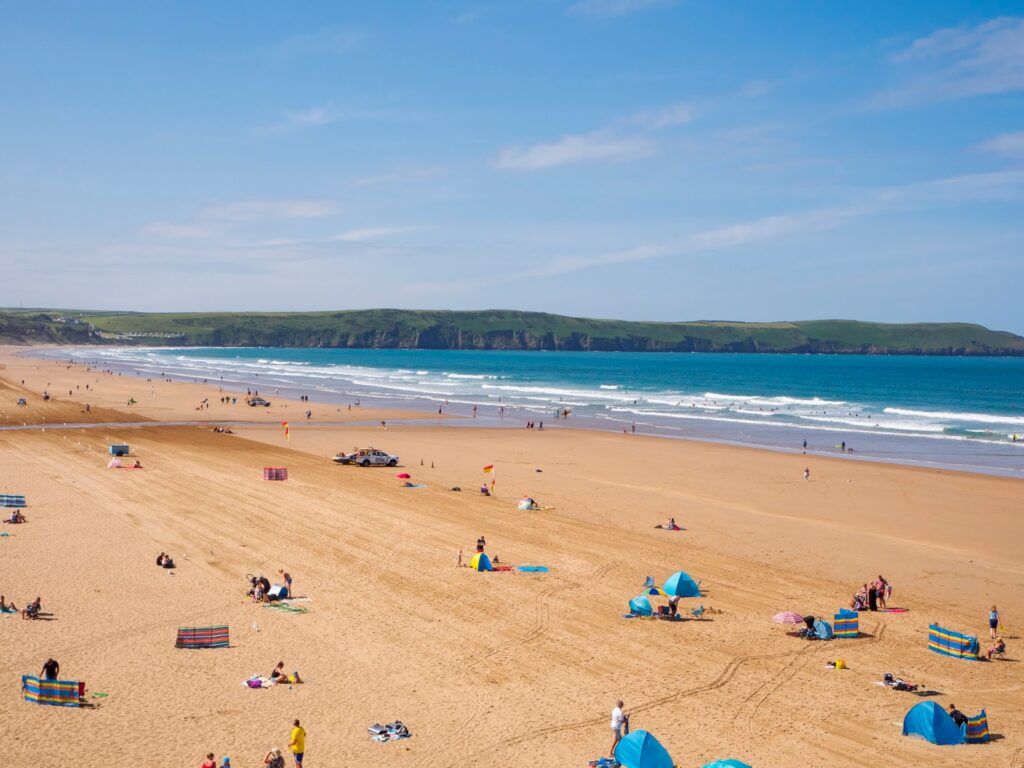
<point>533,568</point>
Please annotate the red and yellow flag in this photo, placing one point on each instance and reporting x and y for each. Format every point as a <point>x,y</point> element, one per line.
<point>287,434</point>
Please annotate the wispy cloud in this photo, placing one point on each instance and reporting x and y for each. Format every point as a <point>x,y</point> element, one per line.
<point>328,114</point>
<point>572,149</point>
<point>666,117</point>
<point>612,8</point>
<point>626,139</point>
<point>187,231</point>
<point>998,185</point>
<point>322,42</point>
<point>960,62</point>
<point>255,210</point>
<point>1010,144</point>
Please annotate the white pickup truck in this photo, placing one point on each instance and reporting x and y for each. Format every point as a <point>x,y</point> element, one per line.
<point>367,457</point>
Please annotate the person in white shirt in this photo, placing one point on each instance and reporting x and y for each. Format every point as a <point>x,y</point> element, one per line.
<point>618,720</point>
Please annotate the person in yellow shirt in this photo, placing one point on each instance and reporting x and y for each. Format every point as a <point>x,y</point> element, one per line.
<point>297,743</point>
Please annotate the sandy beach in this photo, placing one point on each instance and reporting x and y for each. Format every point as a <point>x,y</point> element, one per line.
<point>484,668</point>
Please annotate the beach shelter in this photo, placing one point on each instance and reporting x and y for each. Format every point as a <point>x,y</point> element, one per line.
<point>977,728</point>
<point>846,624</point>
<point>823,629</point>
<point>12,500</point>
<point>118,449</point>
<point>640,606</point>
<point>57,693</point>
<point>950,643</point>
<point>481,562</point>
<point>728,763</point>
<point>202,637</point>
<point>680,584</point>
<point>641,750</point>
<point>932,723</point>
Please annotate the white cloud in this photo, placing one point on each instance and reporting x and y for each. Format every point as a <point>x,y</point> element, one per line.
<point>573,149</point>
<point>666,117</point>
<point>323,42</point>
<point>611,8</point>
<point>166,229</point>
<point>1011,144</point>
<point>254,210</point>
<point>959,62</point>
<point>310,117</point>
<point>370,233</point>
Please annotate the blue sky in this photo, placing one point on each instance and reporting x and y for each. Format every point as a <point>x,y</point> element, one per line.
<point>642,159</point>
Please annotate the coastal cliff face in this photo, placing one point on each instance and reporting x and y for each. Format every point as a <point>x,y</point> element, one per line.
<point>501,330</point>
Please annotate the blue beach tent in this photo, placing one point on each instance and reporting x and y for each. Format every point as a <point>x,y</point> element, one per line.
<point>680,584</point>
<point>641,606</point>
<point>931,722</point>
<point>823,629</point>
<point>641,750</point>
<point>728,763</point>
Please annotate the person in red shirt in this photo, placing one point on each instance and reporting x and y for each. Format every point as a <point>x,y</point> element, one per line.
<point>209,762</point>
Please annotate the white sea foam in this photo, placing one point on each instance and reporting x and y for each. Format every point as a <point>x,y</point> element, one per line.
<point>985,418</point>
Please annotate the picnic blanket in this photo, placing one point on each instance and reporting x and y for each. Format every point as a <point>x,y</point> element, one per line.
<point>286,608</point>
<point>202,637</point>
<point>58,693</point>
<point>390,732</point>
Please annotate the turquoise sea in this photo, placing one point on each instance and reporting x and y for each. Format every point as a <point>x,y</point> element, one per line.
<point>955,411</point>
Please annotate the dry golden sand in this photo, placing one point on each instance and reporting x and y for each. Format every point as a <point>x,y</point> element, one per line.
<point>502,668</point>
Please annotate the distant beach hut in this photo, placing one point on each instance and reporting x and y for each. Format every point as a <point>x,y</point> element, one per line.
<point>275,473</point>
<point>932,723</point>
<point>950,643</point>
<point>57,693</point>
<point>641,606</point>
<point>481,562</point>
<point>679,584</point>
<point>640,749</point>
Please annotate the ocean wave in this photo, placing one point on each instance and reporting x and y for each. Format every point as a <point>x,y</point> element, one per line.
<point>984,418</point>
<point>773,399</point>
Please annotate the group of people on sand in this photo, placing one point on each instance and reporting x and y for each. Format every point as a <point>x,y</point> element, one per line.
<point>16,518</point>
<point>274,757</point>
<point>164,560</point>
<point>260,589</point>
<point>30,611</point>
<point>872,595</point>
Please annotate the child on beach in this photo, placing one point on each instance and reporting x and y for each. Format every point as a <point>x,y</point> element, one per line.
<point>993,622</point>
<point>287,581</point>
<point>209,762</point>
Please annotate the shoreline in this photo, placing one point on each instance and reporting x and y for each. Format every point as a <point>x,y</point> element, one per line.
<point>959,454</point>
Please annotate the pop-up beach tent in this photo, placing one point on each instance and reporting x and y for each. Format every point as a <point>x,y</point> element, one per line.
<point>931,722</point>
<point>641,750</point>
<point>641,606</point>
<point>728,763</point>
<point>481,562</point>
<point>680,584</point>
<point>823,629</point>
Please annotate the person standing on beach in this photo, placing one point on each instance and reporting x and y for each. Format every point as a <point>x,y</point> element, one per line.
<point>287,581</point>
<point>805,447</point>
<point>50,669</point>
<point>619,719</point>
<point>993,622</point>
<point>807,473</point>
<point>297,743</point>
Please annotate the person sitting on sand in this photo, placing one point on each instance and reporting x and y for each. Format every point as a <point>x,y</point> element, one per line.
<point>160,559</point>
<point>168,562</point>
<point>998,649</point>
<point>210,761</point>
<point>31,611</point>
<point>279,675</point>
<point>274,759</point>
<point>485,490</point>
<point>6,607</point>
<point>16,518</point>
<point>137,464</point>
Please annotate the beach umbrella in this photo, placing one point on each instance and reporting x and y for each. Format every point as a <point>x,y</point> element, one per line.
<point>788,617</point>
<point>728,763</point>
<point>653,592</point>
<point>679,584</point>
<point>640,605</point>
<point>403,475</point>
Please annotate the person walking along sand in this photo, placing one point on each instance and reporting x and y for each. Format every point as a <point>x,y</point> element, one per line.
<point>619,720</point>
